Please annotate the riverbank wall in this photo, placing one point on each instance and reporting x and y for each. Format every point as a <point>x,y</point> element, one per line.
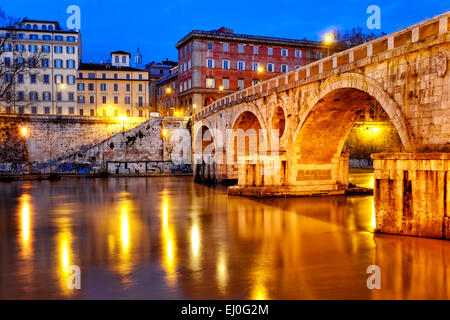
<point>42,145</point>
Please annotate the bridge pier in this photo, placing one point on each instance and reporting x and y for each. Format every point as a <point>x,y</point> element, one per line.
<point>412,194</point>
<point>268,176</point>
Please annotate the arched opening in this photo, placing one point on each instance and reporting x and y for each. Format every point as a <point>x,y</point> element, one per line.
<point>247,146</point>
<point>317,157</point>
<point>204,155</point>
<point>279,121</point>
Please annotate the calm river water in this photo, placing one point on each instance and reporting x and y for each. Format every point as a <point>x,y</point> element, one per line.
<point>169,238</point>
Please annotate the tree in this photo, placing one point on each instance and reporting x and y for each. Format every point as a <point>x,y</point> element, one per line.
<point>356,36</point>
<point>16,64</point>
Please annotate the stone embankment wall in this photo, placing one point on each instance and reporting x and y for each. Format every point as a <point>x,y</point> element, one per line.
<point>366,138</point>
<point>83,145</point>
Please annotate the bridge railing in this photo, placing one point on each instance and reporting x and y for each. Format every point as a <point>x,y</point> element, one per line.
<point>418,32</point>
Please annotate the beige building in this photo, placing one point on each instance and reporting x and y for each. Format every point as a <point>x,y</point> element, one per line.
<point>113,89</point>
<point>47,83</point>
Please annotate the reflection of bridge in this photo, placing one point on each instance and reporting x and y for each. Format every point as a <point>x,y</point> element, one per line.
<point>314,108</point>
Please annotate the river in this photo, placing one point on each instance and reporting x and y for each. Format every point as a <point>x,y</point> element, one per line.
<point>170,238</point>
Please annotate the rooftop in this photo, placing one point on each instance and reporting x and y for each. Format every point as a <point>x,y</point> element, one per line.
<point>228,35</point>
<point>106,66</point>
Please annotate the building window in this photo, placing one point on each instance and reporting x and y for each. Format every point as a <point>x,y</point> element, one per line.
<point>270,51</point>
<point>127,100</point>
<point>140,87</point>
<point>21,110</point>
<point>91,86</point>
<point>47,110</point>
<point>255,49</point>
<point>58,63</point>
<point>33,110</point>
<point>298,53</point>
<point>59,96</point>
<point>92,112</point>
<point>32,48</point>
<point>270,67</point>
<point>117,59</point>
<point>210,45</point>
<point>210,83</point>
<point>297,67</point>
<point>103,86</point>
<point>45,49</point>
<point>46,96</point>
<point>20,95</point>
<point>240,48</point>
<point>91,75</point>
<point>225,64</point>
<point>116,99</point>
<point>59,38</point>
<point>59,110</point>
<point>70,50</point>
<point>140,101</point>
<point>71,96</point>
<point>226,83</point>
<point>140,76</point>
<point>240,84</point>
<point>284,52</point>
<point>20,78</point>
<point>80,75</point>
<point>103,75</point>
<point>140,113</point>
<point>284,68</point>
<point>116,87</point>
<point>81,112</point>
<point>104,99</point>
<point>210,63</point>
<point>128,76</point>
<point>189,64</point>
<point>255,66</point>
<point>7,61</point>
<point>71,110</point>
<point>71,38</point>
<point>91,99</point>
<point>70,64</point>
<point>58,49</point>
<point>81,99</point>
<point>128,87</point>
<point>116,76</point>
<point>45,63</point>
<point>124,59</point>
<point>33,78</point>
<point>80,86</point>
<point>226,47</point>
<point>71,79</point>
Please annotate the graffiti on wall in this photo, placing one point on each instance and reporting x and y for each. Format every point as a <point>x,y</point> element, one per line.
<point>147,167</point>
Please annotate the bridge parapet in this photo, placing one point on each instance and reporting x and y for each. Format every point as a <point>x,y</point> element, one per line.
<point>377,49</point>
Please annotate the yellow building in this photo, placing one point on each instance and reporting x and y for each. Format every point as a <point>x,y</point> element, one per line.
<point>113,89</point>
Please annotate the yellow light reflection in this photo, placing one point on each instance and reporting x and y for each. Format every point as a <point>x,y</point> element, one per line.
<point>195,240</point>
<point>373,222</point>
<point>25,226</point>
<point>125,229</point>
<point>222,271</point>
<point>168,244</point>
<point>64,249</point>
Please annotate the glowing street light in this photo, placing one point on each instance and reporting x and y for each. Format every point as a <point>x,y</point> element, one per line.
<point>62,85</point>
<point>24,132</point>
<point>221,88</point>
<point>168,90</point>
<point>328,39</point>
<point>164,132</point>
<point>260,69</point>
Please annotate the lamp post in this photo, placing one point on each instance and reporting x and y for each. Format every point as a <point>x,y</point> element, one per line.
<point>328,39</point>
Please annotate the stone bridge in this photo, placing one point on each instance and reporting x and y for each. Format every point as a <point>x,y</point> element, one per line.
<point>285,136</point>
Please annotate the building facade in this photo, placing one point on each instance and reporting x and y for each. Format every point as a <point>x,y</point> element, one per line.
<point>113,89</point>
<point>216,63</point>
<point>40,61</point>
<point>167,88</point>
<point>158,70</point>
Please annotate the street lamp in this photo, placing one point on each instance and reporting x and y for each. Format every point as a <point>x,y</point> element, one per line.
<point>260,69</point>
<point>168,90</point>
<point>328,39</point>
<point>24,132</point>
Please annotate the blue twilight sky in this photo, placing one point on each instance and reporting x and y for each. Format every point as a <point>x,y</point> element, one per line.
<point>156,26</point>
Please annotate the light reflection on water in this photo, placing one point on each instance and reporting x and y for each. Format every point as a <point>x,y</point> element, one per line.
<point>169,238</point>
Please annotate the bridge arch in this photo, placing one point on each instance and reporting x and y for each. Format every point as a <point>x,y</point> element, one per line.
<point>247,136</point>
<point>326,119</point>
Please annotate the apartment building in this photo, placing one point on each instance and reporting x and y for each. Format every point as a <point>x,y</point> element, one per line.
<point>49,56</point>
<point>113,89</point>
<point>167,88</point>
<point>216,63</point>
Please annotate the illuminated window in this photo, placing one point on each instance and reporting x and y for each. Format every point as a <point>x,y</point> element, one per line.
<point>284,52</point>
<point>210,83</point>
